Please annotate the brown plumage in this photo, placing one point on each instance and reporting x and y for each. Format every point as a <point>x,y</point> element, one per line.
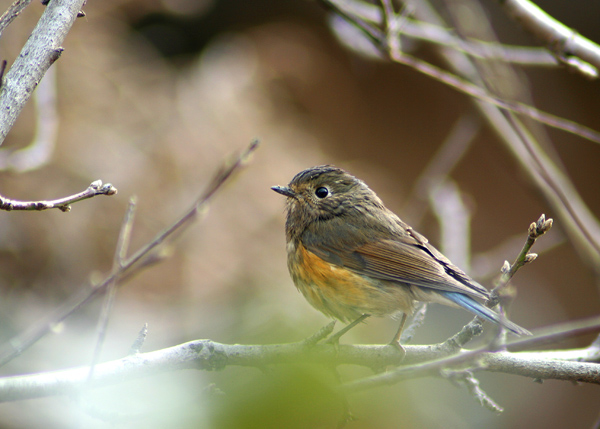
<point>349,255</point>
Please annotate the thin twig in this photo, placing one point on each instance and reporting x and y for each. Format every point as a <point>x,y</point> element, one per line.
<point>118,260</point>
<point>453,148</point>
<point>466,378</point>
<point>319,335</point>
<point>485,264</point>
<point>379,39</point>
<point>63,204</point>
<point>139,340</point>
<point>464,86</point>
<point>11,13</point>
<point>536,230</point>
<point>417,320</point>
<point>576,218</point>
<point>21,342</point>
<point>447,37</point>
<point>552,334</point>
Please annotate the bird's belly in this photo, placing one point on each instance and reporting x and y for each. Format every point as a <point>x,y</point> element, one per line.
<point>341,293</point>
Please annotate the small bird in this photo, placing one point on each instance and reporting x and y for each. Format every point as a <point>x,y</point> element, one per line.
<point>351,257</point>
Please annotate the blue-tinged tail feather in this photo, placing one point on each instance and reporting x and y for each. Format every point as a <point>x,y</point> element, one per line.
<point>480,310</point>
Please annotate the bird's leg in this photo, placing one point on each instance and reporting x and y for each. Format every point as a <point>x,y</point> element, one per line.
<point>335,338</point>
<point>396,341</point>
<point>323,332</point>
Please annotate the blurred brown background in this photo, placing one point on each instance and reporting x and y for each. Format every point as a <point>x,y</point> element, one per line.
<point>153,95</point>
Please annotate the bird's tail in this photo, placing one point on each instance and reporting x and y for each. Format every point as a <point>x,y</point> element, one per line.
<point>480,310</point>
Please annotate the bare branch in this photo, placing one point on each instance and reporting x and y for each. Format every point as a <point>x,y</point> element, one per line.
<point>140,259</point>
<point>569,46</point>
<point>386,42</point>
<point>109,300</point>
<point>210,355</point>
<point>465,378</point>
<point>139,341</point>
<point>449,154</point>
<point>320,334</point>
<point>40,51</point>
<point>468,88</point>
<point>579,222</point>
<point>528,364</point>
<point>417,320</point>
<point>536,230</point>
<point>11,13</point>
<point>63,204</point>
<point>443,36</point>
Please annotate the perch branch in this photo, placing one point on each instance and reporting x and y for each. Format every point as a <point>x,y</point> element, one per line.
<point>526,364</point>
<point>210,356</point>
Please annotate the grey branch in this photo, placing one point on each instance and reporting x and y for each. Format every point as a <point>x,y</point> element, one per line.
<point>386,43</point>
<point>11,13</point>
<point>580,224</point>
<point>209,355</point>
<point>142,258</point>
<point>558,365</point>
<point>569,46</point>
<point>466,379</point>
<point>63,204</point>
<point>443,36</point>
<point>43,47</point>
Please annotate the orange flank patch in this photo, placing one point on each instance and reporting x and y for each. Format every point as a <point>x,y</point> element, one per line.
<point>341,293</point>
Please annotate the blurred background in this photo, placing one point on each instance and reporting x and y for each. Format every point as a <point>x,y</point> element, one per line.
<point>153,95</point>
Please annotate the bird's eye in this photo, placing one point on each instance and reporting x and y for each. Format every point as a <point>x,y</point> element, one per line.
<point>322,192</point>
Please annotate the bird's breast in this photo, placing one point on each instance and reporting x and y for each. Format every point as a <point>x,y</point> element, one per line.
<point>341,293</point>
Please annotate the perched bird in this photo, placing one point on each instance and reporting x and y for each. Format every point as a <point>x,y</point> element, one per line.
<point>351,257</point>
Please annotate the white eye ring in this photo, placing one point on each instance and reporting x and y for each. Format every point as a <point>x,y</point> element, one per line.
<point>322,192</point>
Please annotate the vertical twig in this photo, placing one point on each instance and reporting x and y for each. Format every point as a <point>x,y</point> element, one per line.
<point>118,263</point>
<point>15,346</point>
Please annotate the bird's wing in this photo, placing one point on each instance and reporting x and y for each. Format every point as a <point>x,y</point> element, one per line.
<point>407,258</point>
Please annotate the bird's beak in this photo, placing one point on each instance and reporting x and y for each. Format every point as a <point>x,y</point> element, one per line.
<point>284,190</point>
